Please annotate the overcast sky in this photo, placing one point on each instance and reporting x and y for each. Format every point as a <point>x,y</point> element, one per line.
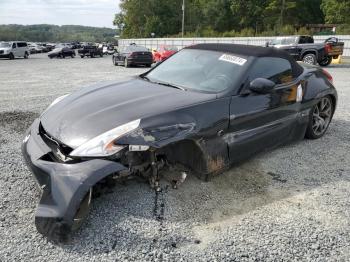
<point>98,13</point>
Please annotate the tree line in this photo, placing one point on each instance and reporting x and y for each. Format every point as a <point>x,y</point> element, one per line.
<point>139,18</point>
<point>54,33</point>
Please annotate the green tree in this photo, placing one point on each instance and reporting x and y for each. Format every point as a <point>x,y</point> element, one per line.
<point>336,11</point>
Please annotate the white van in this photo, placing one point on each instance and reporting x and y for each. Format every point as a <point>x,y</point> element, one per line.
<point>14,49</point>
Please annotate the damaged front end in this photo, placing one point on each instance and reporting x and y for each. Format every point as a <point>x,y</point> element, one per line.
<point>68,177</point>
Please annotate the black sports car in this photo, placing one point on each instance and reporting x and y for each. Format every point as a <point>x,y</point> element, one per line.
<point>202,110</point>
<point>133,55</point>
<point>61,52</point>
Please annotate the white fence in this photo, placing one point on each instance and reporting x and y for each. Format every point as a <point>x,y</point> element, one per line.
<point>154,43</point>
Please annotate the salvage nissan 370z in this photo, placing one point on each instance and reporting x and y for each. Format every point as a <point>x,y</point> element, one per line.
<point>202,110</point>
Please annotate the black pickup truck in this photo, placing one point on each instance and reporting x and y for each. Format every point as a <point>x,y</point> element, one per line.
<point>90,50</point>
<point>303,48</point>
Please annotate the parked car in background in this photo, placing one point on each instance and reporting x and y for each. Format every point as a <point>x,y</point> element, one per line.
<point>303,48</point>
<point>62,52</point>
<point>90,50</point>
<point>133,55</point>
<point>44,47</point>
<point>108,50</point>
<point>34,48</point>
<point>164,52</point>
<point>14,49</point>
<point>76,45</point>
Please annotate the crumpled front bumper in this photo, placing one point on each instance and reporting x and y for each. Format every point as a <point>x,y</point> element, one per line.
<point>64,185</point>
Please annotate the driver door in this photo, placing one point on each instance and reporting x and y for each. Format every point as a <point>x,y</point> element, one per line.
<point>261,121</point>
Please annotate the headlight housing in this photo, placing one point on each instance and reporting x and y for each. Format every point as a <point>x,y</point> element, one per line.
<point>104,144</point>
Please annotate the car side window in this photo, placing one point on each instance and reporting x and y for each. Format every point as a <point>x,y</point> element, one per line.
<point>309,40</point>
<point>276,69</point>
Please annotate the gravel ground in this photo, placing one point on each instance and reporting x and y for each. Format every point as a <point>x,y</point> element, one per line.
<point>289,204</point>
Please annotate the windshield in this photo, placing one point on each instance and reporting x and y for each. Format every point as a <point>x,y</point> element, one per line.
<point>5,44</point>
<point>201,70</point>
<point>284,40</point>
<point>57,49</point>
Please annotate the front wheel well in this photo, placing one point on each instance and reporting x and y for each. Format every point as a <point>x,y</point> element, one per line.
<point>309,52</point>
<point>187,153</point>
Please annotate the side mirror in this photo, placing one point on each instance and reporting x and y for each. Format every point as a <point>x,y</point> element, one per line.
<point>267,44</point>
<point>262,86</point>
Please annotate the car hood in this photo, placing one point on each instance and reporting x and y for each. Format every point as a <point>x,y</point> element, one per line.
<point>92,111</point>
<point>4,48</point>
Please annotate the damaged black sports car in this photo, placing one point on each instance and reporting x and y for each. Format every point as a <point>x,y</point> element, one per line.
<point>202,110</point>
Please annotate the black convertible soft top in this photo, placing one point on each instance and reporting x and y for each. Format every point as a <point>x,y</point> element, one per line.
<point>249,50</point>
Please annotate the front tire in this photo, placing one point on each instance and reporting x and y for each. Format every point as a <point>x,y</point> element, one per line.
<point>56,229</point>
<point>26,55</point>
<point>126,63</point>
<point>326,61</point>
<point>11,56</point>
<point>309,59</point>
<point>320,117</point>
<point>115,62</point>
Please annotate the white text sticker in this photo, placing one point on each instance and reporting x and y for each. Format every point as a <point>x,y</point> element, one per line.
<point>233,59</point>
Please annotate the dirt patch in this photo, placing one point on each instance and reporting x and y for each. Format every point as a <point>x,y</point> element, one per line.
<point>17,121</point>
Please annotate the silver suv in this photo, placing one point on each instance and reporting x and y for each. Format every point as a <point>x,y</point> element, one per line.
<point>14,49</point>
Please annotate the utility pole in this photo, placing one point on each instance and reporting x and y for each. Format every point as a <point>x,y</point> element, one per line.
<point>183,18</point>
<point>282,12</point>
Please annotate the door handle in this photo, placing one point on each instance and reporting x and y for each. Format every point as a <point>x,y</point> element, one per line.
<point>220,133</point>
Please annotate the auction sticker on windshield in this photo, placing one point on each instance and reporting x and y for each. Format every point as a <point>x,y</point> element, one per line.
<point>233,59</point>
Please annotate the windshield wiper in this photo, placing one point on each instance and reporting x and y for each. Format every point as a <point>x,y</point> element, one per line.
<point>171,85</point>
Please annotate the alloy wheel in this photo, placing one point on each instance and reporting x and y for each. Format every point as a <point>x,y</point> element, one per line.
<point>309,59</point>
<point>321,116</point>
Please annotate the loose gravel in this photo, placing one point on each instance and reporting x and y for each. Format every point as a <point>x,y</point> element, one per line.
<point>289,204</point>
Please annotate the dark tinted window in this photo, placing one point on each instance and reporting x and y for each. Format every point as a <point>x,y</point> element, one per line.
<point>21,44</point>
<point>275,69</point>
<point>306,40</point>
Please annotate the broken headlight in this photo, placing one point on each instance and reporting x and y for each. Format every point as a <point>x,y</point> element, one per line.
<point>104,144</point>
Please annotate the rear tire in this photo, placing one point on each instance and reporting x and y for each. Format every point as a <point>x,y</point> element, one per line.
<point>126,63</point>
<point>309,59</point>
<point>326,61</point>
<point>320,117</point>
